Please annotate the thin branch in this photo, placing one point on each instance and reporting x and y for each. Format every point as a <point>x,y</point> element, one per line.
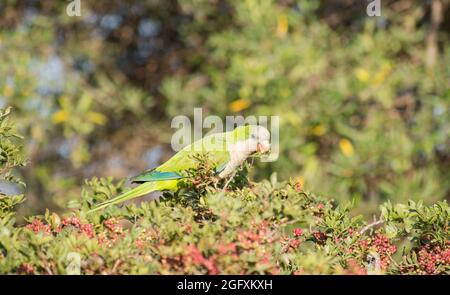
<point>370,225</point>
<point>228,181</point>
<point>116,265</point>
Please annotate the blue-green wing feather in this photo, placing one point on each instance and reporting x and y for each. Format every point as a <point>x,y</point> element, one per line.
<point>154,175</point>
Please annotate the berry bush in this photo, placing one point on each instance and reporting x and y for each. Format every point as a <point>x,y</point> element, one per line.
<point>266,227</point>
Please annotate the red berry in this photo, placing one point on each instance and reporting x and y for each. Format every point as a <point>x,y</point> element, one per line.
<point>298,232</point>
<point>294,243</point>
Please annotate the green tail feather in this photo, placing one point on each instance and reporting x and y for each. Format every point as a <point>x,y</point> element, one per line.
<point>138,191</point>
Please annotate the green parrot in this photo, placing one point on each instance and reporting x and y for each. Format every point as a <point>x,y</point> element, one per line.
<point>227,150</point>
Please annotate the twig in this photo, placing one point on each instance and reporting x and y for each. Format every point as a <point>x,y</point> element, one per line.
<point>48,269</point>
<point>6,168</point>
<point>370,225</point>
<point>228,181</point>
<point>116,265</point>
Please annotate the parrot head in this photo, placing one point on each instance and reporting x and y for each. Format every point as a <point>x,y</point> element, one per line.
<point>252,139</point>
<point>259,139</point>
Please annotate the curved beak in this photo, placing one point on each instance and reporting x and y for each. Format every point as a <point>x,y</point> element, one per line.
<point>263,147</point>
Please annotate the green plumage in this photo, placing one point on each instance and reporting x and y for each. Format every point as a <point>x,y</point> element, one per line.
<point>168,175</point>
<point>154,175</point>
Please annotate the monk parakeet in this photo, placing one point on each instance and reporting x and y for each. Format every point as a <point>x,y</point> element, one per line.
<point>227,150</point>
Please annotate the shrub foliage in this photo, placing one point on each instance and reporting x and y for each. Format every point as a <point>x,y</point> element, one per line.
<point>267,227</point>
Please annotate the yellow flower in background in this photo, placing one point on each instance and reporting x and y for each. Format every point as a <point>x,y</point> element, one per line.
<point>386,68</point>
<point>37,133</point>
<point>293,118</point>
<point>362,74</point>
<point>8,91</point>
<point>379,78</point>
<point>318,130</point>
<point>96,118</point>
<point>60,117</point>
<point>347,173</point>
<point>239,105</point>
<point>381,75</point>
<point>282,26</point>
<point>346,147</point>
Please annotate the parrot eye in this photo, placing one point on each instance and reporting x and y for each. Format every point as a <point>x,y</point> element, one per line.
<point>253,136</point>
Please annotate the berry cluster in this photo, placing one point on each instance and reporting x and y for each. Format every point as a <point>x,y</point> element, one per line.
<point>298,187</point>
<point>382,246</point>
<point>112,234</point>
<point>351,232</point>
<point>298,232</point>
<point>143,239</point>
<point>250,238</point>
<point>431,260</point>
<point>38,226</point>
<point>255,242</point>
<point>26,268</point>
<point>290,244</point>
<point>86,228</point>
<point>228,249</point>
<point>294,243</point>
<point>353,268</point>
<point>197,257</point>
<point>319,237</point>
<point>251,244</point>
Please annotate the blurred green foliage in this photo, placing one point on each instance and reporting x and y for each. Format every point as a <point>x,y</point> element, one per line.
<point>364,102</point>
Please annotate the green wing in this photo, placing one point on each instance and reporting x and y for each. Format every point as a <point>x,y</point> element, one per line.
<point>154,175</point>
<point>214,145</point>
